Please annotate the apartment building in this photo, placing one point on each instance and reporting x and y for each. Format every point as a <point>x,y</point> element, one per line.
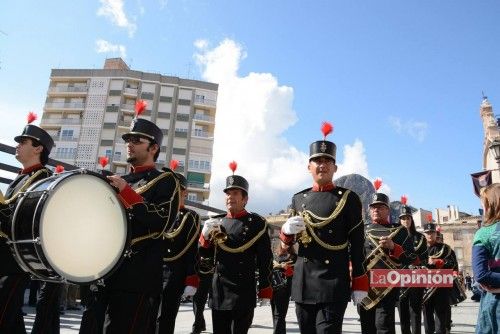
<point>87,111</point>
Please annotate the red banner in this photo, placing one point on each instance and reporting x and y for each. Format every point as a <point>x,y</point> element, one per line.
<point>421,278</point>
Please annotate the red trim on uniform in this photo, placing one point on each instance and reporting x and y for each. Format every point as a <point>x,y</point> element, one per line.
<point>439,263</point>
<point>417,261</point>
<point>30,169</point>
<point>266,293</point>
<point>289,271</point>
<point>129,197</point>
<point>140,169</point>
<point>181,206</point>
<point>238,215</point>
<point>287,238</point>
<point>360,283</point>
<point>204,243</point>
<point>326,187</point>
<point>192,280</point>
<point>396,251</point>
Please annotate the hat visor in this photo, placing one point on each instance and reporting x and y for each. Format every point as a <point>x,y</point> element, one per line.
<point>317,155</point>
<point>19,138</point>
<point>427,230</point>
<point>140,134</point>
<point>379,202</point>
<point>235,187</point>
<point>405,215</point>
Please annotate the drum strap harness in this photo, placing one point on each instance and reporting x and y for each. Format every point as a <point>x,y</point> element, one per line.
<point>159,211</point>
<point>23,188</point>
<point>176,232</point>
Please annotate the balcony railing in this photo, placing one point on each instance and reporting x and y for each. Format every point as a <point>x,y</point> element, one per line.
<point>65,105</point>
<point>71,156</point>
<point>65,139</point>
<point>197,186</point>
<point>68,89</point>
<point>130,91</point>
<point>73,121</point>
<point>128,107</point>
<point>201,134</point>
<point>204,101</point>
<point>204,118</point>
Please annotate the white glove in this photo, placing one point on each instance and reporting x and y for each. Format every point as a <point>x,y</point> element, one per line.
<point>357,296</point>
<point>208,226</point>
<point>293,225</point>
<point>265,302</point>
<point>189,291</point>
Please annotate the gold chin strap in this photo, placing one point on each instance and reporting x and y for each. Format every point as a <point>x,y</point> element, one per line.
<point>22,189</point>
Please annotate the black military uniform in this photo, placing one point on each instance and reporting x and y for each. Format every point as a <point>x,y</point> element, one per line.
<point>205,270</point>
<point>321,285</point>
<point>14,280</point>
<point>410,299</point>
<point>436,309</point>
<point>282,288</point>
<point>245,250</point>
<point>131,295</point>
<point>377,313</point>
<point>180,258</point>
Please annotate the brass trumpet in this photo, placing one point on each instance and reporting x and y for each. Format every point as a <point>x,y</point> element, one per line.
<point>218,236</point>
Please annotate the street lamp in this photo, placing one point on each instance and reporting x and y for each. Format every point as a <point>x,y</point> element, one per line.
<point>495,149</point>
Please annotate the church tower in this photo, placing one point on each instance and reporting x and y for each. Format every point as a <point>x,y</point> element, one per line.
<point>491,131</point>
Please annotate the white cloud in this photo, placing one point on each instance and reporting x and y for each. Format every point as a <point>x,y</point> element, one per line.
<point>102,46</point>
<point>414,129</point>
<point>113,10</point>
<point>253,111</point>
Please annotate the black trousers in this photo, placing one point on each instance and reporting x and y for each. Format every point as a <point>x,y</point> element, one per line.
<point>33,296</point>
<point>170,302</point>
<point>381,318</point>
<point>199,301</point>
<point>437,312</point>
<point>11,302</point>
<point>410,311</point>
<point>47,320</point>
<point>324,318</point>
<point>232,322</point>
<point>279,306</point>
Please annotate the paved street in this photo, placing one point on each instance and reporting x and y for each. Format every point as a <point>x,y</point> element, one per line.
<point>464,319</point>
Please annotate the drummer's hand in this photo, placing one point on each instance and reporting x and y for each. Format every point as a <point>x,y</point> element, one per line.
<point>386,242</point>
<point>117,182</point>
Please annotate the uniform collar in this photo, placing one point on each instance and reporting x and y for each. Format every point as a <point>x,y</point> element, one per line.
<point>326,187</point>
<point>238,215</point>
<point>28,170</point>
<point>140,169</point>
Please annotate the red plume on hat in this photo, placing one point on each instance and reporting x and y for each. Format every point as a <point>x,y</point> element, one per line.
<point>174,164</point>
<point>326,128</point>
<point>31,117</point>
<point>377,183</point>
<point>404,199</point>
<point>429,217</point>
<point>103,161</point>
<point>233,165</point>
<point>59,169</point>
<point>140,107</point>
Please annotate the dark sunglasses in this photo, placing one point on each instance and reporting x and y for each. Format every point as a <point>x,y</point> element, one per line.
<point>136,140</point>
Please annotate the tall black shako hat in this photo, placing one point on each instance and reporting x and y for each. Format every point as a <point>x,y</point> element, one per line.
<point>36,133</point>
<point>143,128</point>
<point>430,226</point>
<point>323,148</point>
<point>236,181</point>
<point>405,210</point>
<point>377,196</point>
<point>182,179</point>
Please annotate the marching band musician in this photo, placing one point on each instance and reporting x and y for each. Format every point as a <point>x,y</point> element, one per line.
<point>131,294</point>
<point>410,299</point>
<point>436,308</point>
<point>32,151</point>
<point>241,245</point>
<point>283,263</point>
<point>327,221</point>
<point>204,268</point>
<point>388,246</point>
<point>180,257</point>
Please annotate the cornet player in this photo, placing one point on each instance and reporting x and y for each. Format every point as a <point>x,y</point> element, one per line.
<point>241,245</point>
<point>327,222</point>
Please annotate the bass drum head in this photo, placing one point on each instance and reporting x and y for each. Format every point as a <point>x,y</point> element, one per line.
<point>83,228</point>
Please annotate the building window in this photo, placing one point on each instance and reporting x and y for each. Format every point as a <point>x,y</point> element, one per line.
<point>445,219</point>
<point>192,197</point>
<point>457,235</point>
<point>67,134</point>
<point>108,154</point>
<point>459,252</point>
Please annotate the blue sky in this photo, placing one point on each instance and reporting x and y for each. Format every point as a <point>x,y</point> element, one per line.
<point>400,80</point>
